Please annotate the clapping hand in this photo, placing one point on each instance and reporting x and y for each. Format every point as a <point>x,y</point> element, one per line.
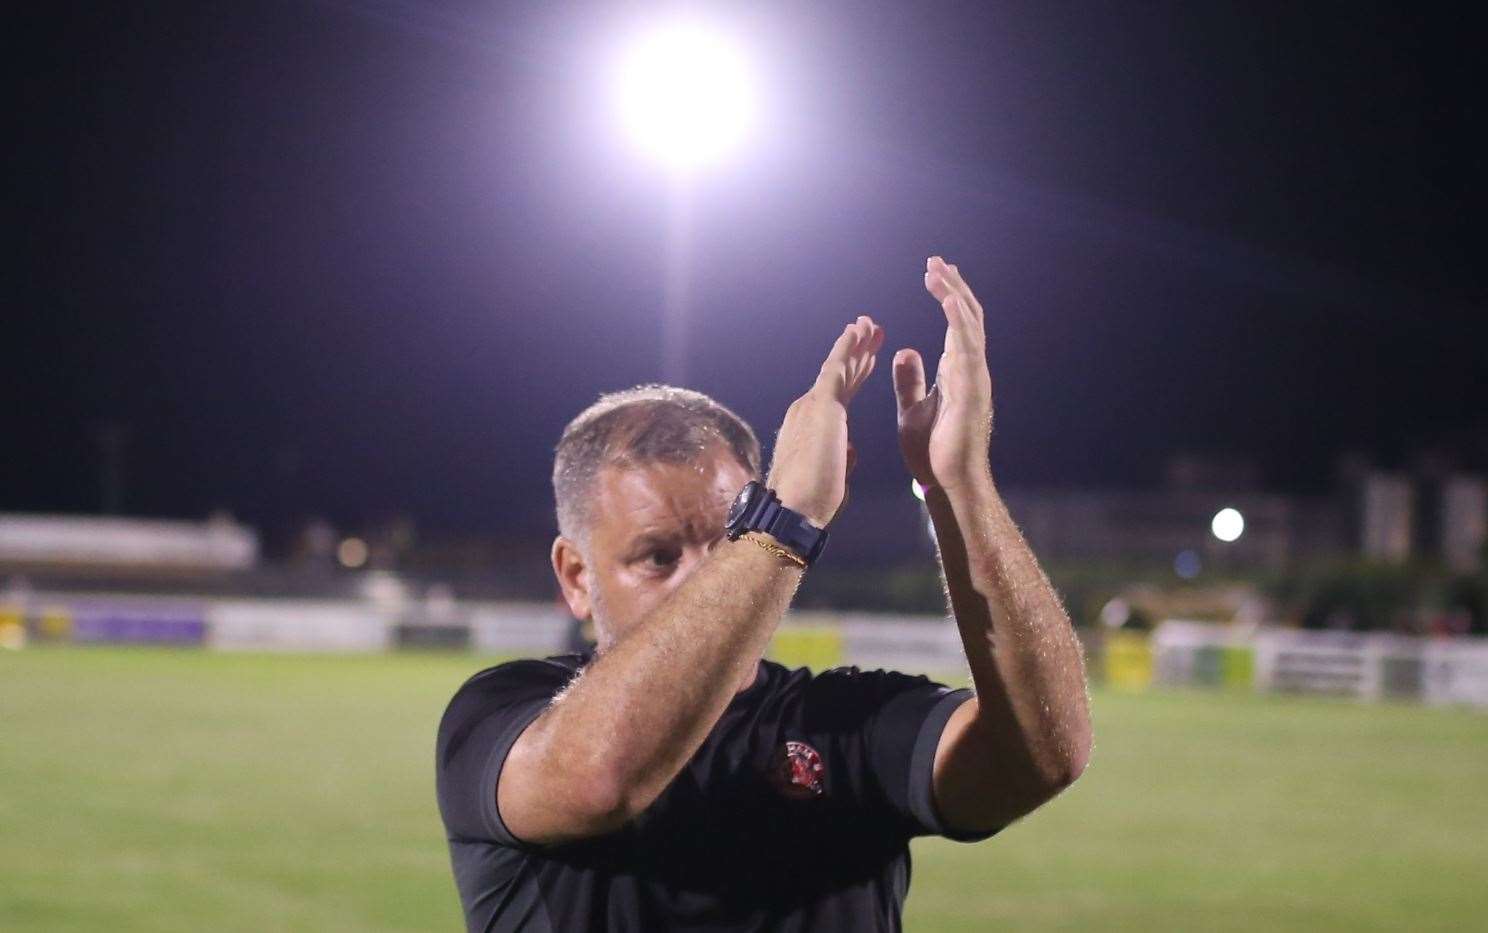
<point>812,453</point>
<point>945,433</point>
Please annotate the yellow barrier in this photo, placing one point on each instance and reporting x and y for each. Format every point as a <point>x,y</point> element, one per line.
<point>815,647</point>
<point>54,624</point>
<point>1237,667</point>
<point>1128,661</point>
<point>12,628</point>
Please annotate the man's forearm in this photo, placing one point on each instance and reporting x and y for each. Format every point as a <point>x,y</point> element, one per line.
<point>640,710</point>
<point>1026,662</point>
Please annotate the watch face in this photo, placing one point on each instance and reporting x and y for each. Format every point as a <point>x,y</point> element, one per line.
<point>741,502</point>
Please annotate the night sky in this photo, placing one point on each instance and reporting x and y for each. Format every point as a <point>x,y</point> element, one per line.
<point>360,259</point>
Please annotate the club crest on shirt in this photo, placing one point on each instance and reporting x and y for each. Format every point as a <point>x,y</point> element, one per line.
<point>798,771</point>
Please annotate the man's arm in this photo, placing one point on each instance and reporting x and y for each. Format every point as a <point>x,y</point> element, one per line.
<point>617,736</point>
<point>1026,735</point>
<point>614,739</point>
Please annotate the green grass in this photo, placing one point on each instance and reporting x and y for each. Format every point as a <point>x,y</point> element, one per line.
<point>161,790</point>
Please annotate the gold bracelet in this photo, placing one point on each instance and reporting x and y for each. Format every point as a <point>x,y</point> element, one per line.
<point>765,541</point>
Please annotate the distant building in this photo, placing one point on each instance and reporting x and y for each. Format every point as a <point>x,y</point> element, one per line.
<point>1430,511</point>
<point>83,543</point>
<point>1159,525</point>
<point>1386,502</point>
<point>1463,521</point>
<point>1433,511</point>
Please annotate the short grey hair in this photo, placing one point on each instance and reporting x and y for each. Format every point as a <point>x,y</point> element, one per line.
<point>648,423</point>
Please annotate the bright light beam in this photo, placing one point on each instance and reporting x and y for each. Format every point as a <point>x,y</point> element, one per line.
<point>685,94</point>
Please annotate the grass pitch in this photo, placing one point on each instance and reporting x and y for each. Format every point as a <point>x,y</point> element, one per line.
<point>178,790</point>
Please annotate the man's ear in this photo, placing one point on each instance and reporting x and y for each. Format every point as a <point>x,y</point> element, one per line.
<point>573,578</point>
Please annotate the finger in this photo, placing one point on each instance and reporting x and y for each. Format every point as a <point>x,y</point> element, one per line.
<point>869,355</point>
<point>843,367</point>
<point>961,318</point>
<point>834,367</point>
<point>854,361</point>
<point>860,363</point>
<point>952,303</point>
<point>963,331</point>
<point>936,284</point>
<point>967,295</point>
<point>872,362</point>
<point>957,283</point>
<point>963,335</point>
<point>864,328</point>
<point>909,378</point>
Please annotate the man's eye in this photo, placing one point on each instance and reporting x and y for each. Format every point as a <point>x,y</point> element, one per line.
<point>661,558</point>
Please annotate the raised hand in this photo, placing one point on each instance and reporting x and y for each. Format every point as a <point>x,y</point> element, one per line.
<point>812,454</point>
<point>945,433</point>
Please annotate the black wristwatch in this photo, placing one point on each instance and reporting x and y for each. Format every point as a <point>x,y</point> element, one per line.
<point>757,508</point>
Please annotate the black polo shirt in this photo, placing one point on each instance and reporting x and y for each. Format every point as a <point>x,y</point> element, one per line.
<point>795,814</point>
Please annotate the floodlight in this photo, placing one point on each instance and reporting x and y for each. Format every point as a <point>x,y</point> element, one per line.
<point>1228,524</point>
<point>685,94</point>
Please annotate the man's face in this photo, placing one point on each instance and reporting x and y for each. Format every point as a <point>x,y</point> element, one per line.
<point>650,527</point>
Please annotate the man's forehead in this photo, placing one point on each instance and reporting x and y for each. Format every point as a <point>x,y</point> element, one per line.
<point>668,493</point>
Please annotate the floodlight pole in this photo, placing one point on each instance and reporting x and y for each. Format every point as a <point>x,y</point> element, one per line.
<point>677,279</point>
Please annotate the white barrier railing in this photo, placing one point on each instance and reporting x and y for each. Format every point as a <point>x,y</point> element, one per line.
<point>1314,662</point>
<point>912,644</point>
<point>297,625</point>
<point>1370,666</point>
<point>1367,666</point>
<point>1185,652</point>
<point>531,629</point>
<point>1455,671</point>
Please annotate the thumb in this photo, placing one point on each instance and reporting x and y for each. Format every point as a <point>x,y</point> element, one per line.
<point>909,378</point>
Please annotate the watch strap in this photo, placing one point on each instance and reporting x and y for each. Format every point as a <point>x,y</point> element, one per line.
<point>764,512</point>
<point>792,530</point>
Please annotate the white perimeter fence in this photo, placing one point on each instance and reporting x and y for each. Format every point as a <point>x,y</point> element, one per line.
<point>1372,667</point>
<point>1367,666</point>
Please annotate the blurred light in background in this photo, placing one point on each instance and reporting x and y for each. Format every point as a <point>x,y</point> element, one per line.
<point>1228,524</point>
<point>1187,564</point>
<point>685,94</point>
<point>385,589</point>
<point>1115,613</point>
<point>352,553</point>
<point>917,490</point>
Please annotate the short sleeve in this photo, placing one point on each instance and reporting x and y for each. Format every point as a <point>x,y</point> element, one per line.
<point>479,728</point>
<point>895,743</point>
